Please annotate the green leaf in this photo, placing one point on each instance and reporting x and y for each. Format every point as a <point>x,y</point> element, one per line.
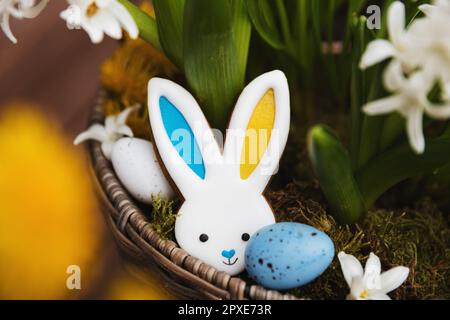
<point>262,16</point>
<point>400,163</point>
<point>216,41</point>
<point>333,169</point>
<point>148,29</point>
<point>169,18</point>
<point>447,130</point>
<point>242,32</point>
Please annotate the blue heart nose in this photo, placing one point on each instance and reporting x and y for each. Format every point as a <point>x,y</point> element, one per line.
<point>228,254</point>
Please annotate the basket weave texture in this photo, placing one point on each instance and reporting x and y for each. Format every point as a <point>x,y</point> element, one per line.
<point>185,276</point>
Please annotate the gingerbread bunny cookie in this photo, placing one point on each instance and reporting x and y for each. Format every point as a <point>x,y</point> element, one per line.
<point>222,187</point>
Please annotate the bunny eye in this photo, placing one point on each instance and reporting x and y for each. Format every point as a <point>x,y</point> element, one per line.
<point>203,237</point>
<point>245,237</point>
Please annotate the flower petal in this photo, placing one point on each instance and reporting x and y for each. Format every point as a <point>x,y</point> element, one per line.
<point>396,21</point>
<point>107,148</point>
<point>65,14</point>
<point>95,34</point>
<point>123,116</point>
<point>377,51</point>
<point>15,12</point>
<point>385,105</point>
<point>125,19</point>
<point>4,24</point>
<point>372,272</point>
<point>95,132</point>
<point>111,124</point>
<point>124,130</point>
<point>393,77</point>
<point>378,295</point>
<point>72,16</point>
<point>441,112</point>
<point>415,130</point>
<point>356,289</point>
<point>103,3</point>
<point>392,279</point>
<point>351,267</point>
<point>419,85</point>
<point>427,9</point>
<point>34,11</point>
<point>105,21</point>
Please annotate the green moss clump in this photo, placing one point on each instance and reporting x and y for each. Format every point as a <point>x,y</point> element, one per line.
<point>418,238</point>
<point>163,216</point>
<point>299,203</point>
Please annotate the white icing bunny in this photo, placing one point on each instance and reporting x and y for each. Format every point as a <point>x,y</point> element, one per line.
<point>223,192</point>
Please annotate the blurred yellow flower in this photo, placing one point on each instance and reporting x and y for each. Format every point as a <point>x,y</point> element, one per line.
<point>48,216</point>
<point>126,75</point>
<point>147,7</point>
<point>133,284</point>
<point>132,65</point>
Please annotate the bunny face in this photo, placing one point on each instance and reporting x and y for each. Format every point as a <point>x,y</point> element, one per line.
<point>217,230</point>
<point>222,187</point>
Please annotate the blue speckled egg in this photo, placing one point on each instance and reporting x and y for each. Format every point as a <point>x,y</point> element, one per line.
<point>287,255</point>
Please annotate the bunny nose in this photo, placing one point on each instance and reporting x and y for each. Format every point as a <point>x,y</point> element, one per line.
<point>228,253</point>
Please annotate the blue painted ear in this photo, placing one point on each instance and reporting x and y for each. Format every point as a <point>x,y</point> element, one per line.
<point>182,136</point>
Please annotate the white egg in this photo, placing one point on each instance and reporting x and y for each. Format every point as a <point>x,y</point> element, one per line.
<point>137,167</point>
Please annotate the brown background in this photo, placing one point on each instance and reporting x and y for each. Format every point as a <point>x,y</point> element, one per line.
<point>57,70</point>
<point>52,66</point>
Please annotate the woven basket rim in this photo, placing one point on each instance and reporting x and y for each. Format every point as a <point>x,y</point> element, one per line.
<point>184,274</point>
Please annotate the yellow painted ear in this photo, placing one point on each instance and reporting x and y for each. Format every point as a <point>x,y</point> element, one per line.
<point>258,134</point>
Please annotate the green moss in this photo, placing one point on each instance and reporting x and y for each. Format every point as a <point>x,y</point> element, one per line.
<point>300,203</point>
<point>418,238</point>
<point>163,216</point>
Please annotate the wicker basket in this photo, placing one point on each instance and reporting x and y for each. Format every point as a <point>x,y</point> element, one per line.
<point>184,275</point>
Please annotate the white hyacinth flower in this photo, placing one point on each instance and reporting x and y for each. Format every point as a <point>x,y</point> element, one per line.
<point>18,9</point>
<point>438,8</point>
<point>420,60</point>
<point>410,100</point>
<point>425,44</point>
<point>435,42</point>
<point>115,127</point>
<point>99,17</point>
<point>399,44</point>
<point>369,283</point>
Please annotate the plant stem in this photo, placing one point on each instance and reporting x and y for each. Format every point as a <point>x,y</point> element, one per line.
<point>302,34</point>
<point>371,125</point>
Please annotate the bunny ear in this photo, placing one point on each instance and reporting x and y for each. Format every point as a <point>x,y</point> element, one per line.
<point>259,129</point>
<point>181,133</point>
